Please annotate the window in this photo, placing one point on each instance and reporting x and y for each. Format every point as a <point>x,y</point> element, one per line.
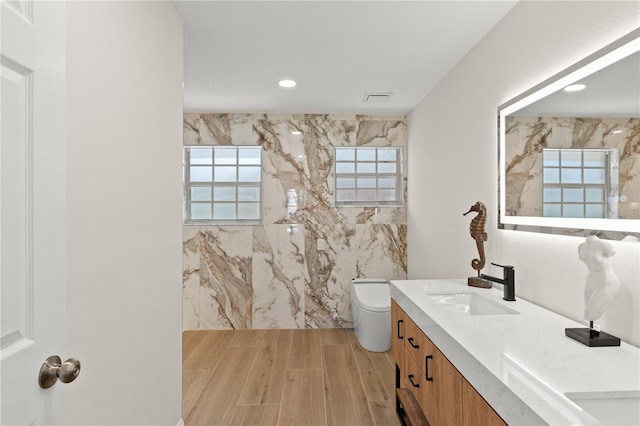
<point>576,182</point>
<point>369,176</point>
<point>222,184</point>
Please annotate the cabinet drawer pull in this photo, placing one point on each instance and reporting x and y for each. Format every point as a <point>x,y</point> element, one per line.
<point>426,368</point>
<point>412,345</point>
<point>399,336</point>
<point>415,385</point>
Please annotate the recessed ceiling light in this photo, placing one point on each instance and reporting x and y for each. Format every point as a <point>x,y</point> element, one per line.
<point>287,83</point>
<point>296,132</point>
<point>574,88</point>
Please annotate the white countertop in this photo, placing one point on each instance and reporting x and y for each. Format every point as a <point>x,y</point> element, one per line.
<point>522,364</point>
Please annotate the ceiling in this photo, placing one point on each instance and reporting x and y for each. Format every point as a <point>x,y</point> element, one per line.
<point>235,52</point>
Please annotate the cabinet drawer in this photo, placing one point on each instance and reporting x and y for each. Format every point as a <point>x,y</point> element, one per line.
<point>413,341</point>
<point>411,377</point>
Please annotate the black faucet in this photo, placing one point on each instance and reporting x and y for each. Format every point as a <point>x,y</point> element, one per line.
<point>508,281</point>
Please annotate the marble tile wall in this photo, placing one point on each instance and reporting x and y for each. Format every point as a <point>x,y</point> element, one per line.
<point>291,271</point>
<point>526,136</point>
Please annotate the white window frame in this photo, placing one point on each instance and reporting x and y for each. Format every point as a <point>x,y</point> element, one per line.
<point>212,185</point>
<point>561,186</point>
<point>376,175</point>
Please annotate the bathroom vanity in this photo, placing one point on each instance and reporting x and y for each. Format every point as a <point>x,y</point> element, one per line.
<point>470,357</point>
<point>444,395</point>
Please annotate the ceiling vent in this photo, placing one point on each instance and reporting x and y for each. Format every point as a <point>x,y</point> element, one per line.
<point>377,98</point>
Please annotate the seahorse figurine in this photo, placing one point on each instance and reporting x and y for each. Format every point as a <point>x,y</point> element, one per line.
<point>477,233</point>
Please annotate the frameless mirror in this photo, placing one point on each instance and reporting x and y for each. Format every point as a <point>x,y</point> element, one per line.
<point>569,149</point>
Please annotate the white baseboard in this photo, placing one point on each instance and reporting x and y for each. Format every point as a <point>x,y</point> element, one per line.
<point>181,422</point>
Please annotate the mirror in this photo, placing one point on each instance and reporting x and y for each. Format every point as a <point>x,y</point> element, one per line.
<point>569,149</point>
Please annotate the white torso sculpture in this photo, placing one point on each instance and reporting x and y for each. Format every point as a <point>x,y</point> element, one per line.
<point>602,282</point>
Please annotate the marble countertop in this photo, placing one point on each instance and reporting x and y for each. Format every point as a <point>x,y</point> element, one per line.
<point>522,364</point>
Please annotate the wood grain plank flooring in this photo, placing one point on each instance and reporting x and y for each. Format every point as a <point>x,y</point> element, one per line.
<point>373,368</point>
<point>305,349</point>
<point>285,377</point>
<point>303,403</point>
<point>218,399</point>
<point>266,415</point>
<point>204,349</point>
<point>336,336</point>
<point>384,413</point>
<point>192,384</point>
<point>266,378</point>
<point>247,338</point>
<point>347,403</point>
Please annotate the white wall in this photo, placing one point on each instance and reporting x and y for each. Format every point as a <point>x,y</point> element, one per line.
<point>124,71</point>
<point>453,145</point>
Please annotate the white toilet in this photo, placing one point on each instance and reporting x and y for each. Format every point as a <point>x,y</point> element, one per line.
<point>371,309</point>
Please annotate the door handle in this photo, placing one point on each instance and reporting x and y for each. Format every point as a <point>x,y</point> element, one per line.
<point>414,346</point>
<point>399,336</point>
<point>426,368</point>
<point>53,369</point>
<point>415,385</point>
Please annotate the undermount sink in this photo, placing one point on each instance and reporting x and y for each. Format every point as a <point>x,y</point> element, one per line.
<point>470,304</point>
<point>610,408</point>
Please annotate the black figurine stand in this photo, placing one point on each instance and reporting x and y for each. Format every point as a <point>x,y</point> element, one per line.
<point>591,337</point>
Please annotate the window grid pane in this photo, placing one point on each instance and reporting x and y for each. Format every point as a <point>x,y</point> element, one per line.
<point>201,155</point>
<point>200,193</point>
<point>368,176</point>
<point>249,156</point>
<point>225,174</point>
<point>223,184</point>
<point>201,210</point>
<point>575,182</point>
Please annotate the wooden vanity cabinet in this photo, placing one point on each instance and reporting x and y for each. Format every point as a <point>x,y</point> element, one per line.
<point>440,383</point>
<point>397,334</point>
<point>476,411</point>
<point>443,394</point>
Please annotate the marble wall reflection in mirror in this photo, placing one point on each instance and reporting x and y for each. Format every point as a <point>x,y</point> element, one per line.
<point>570,159</point>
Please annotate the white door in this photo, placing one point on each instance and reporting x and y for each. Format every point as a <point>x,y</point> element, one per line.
<point>33,250</point>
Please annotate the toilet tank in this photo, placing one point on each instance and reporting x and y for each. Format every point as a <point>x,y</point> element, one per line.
<point>372,294</point>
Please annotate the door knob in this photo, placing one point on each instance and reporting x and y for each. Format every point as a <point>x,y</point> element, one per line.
<point>53,369</point>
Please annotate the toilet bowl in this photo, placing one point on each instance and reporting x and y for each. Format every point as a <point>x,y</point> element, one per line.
<point>371,309</point>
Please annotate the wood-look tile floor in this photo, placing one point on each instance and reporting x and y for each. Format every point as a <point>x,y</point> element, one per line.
<point>285,377</point>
